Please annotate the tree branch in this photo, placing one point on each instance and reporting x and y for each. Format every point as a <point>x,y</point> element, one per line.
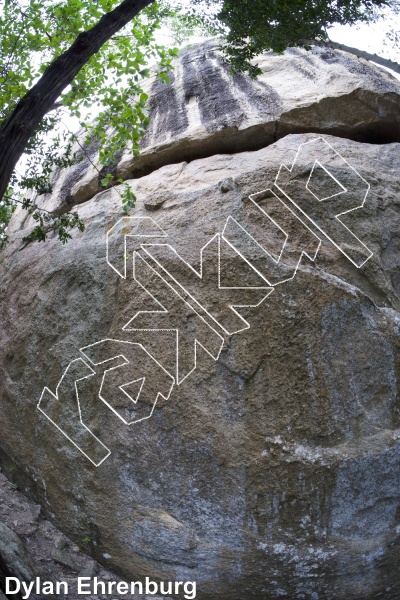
<point>16,130</point>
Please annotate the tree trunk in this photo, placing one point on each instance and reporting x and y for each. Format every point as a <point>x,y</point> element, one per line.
<point>16,130</point>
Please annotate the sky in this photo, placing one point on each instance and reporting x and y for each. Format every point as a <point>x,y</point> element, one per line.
<point>371,38</point>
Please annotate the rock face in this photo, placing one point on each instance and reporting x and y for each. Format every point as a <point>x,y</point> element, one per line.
<point>31,546</point>
<point>270,465</point>
<point>206,111</point>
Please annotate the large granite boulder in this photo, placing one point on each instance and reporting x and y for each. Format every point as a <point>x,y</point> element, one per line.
<point>206,111</point>
<point>270,465</point>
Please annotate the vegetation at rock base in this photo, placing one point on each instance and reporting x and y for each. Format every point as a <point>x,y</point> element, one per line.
<point>76,58</point>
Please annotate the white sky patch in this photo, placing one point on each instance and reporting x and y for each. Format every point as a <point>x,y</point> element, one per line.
<point>371,37</point>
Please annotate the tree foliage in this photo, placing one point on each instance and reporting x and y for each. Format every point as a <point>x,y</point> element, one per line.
<point>258,25</point>
<point>35,33</point>
<point>32,38</point>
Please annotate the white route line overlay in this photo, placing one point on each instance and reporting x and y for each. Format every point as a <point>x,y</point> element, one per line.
<point>311,257</point>
<point>134,400</point>
<point>176,330</point>
<point>79,410</point>
<point>143,379</point>
<point>283,166</point>
<point>199,274</point>
<point>159,232</point>
<point>344,190</point>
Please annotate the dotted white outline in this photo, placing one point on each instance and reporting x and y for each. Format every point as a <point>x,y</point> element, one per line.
<point>283,166</point>
<point>344,190</point>
<point>312,257</point>
<point>199,275</point>
<point>162,233</point>
<point>126,235</point>
<point>121,387</point>
<point>79,410</point>
<point>121,365</point>
<point>176,330</point>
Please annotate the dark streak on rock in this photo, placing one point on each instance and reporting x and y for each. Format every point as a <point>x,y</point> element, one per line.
<point>218,107</point>
<point>166,114</point>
